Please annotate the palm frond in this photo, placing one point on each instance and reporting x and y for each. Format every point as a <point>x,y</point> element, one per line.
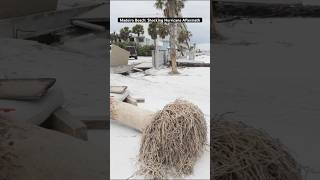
<point>159,4</point>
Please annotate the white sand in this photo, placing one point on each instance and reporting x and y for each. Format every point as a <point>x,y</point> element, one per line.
<point>158,89</point>
<point>81,75</point>
<point>80,71</point>
<point>268,73</point>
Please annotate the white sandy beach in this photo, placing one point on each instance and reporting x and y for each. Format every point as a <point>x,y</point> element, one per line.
<point>267,73</point>
<point>158,88</point>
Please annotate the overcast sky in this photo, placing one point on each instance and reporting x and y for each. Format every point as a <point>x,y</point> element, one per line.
<point>193,8</point>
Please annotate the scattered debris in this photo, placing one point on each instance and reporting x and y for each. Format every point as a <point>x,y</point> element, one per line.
<point>121,93</point>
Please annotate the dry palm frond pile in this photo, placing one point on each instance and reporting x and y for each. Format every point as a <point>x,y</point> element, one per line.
<point>6,156</point>
<point>173,141</point>
<point>240,152</point>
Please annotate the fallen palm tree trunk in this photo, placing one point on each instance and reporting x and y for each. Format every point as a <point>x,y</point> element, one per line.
<point>172,139</point>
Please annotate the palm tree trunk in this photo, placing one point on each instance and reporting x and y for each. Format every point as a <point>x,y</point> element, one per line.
<point>173,56</point>
<point>155,51</point>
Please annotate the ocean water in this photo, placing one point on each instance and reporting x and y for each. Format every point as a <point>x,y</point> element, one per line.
<point>204,46</point>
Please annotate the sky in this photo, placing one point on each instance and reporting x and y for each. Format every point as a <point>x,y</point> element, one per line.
<point>146,8</point>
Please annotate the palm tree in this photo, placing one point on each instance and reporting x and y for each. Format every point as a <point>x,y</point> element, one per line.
<point>113,37</point>
<point>171,8</point>
<point>125,33</point>
<point>153,32</point>
<point>184,37</point>
<point>163,30</point>
<point>138,29</point>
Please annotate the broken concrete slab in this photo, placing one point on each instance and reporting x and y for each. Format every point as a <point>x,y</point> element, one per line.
<point>62,121</point>
<point>25,89</point>
<point>118,56</point>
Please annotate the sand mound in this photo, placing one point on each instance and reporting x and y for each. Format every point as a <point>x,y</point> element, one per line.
<point>240,152</point>
<point>173,142</point>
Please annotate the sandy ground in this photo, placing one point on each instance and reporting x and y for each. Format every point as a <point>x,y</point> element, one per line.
<point>84,88</point>
<point>267,73</point>
<point>80,68</point>
<point>40,153</point>
<point>158,88</point>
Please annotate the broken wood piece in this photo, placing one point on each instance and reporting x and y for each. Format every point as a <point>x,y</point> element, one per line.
<point>137,69</point>
<point>120,97</point>
<point>193,64</point>
<point>118,89</point>
<point>62,121</point>
<point>140,100</point>
<point>131,100</point>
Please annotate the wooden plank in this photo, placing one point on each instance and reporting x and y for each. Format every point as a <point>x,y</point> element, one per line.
<point>136,69</point>
<point>120,97</point>
<point>118,89</point>
<point>62,121</point>
<point>140,100</point>
<point>192,64</point>
<point>131,100</point>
